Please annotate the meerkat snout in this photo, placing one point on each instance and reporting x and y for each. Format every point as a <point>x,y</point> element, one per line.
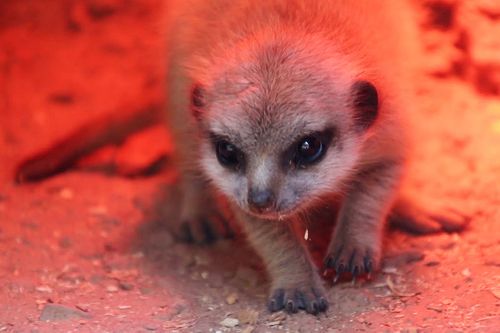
<point>261,200</point>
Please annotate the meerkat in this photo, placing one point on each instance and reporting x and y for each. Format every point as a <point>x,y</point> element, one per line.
<point>285,107</point>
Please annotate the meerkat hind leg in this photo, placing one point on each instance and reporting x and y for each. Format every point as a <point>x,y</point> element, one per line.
<point>409,215</point>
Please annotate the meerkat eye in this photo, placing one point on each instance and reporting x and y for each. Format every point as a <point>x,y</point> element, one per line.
<point>309,150</point>
<point>228,155</point>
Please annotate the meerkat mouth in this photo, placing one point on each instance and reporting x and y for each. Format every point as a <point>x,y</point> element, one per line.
<point>274,215</point>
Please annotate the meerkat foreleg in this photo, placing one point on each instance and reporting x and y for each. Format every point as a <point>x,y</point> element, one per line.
<point>356,243</point>
<point>295,283</point>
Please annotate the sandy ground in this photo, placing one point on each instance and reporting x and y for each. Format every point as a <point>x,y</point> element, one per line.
<point>87,250</point>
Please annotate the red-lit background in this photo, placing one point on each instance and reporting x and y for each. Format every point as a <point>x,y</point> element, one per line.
<point>90,241</point>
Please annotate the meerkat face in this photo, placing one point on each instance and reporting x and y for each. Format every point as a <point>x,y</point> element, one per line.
<point>275,140</point>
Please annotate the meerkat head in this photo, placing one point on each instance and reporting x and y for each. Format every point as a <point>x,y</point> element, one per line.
<point>281,127</point>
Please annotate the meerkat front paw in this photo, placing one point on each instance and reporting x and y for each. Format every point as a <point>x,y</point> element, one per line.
<point>311,298</point>
<point>355,259</point>
<point>203,229</point>
<point>196,216</point>
<point>350,256</point>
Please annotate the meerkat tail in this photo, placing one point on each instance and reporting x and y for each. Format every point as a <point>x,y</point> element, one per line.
<point>109,129</point>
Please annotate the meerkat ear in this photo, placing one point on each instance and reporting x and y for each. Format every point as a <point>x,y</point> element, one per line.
<point>365,104</point>
<point>198,100</point>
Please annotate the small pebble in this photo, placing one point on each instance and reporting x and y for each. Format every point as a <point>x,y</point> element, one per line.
<point>248,316</point>
<point>232,298</point>
<point>125,286</point>
<point>44,289</point>
<point>58,312</point>
<point>111,289</point>
<point>66,193</point>
<point>230,322</point>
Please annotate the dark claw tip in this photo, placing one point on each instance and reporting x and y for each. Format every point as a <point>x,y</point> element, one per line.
<point>313,308</point>
<point>323,304</point>
<point>272,305</point>
<point>185,234</point>
<point>368,265</point>
<point>328,262</point>
<point>290,307</point>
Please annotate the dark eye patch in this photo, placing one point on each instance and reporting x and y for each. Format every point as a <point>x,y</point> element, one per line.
<point>308,149</point>
<point>228,155</point>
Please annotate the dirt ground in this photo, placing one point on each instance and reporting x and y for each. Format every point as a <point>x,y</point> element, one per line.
<point>87,250</point>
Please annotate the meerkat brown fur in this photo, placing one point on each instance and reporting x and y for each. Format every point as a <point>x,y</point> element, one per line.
<point>286,106</point>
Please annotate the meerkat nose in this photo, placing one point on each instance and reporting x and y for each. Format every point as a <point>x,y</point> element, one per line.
<point>260,200</point>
